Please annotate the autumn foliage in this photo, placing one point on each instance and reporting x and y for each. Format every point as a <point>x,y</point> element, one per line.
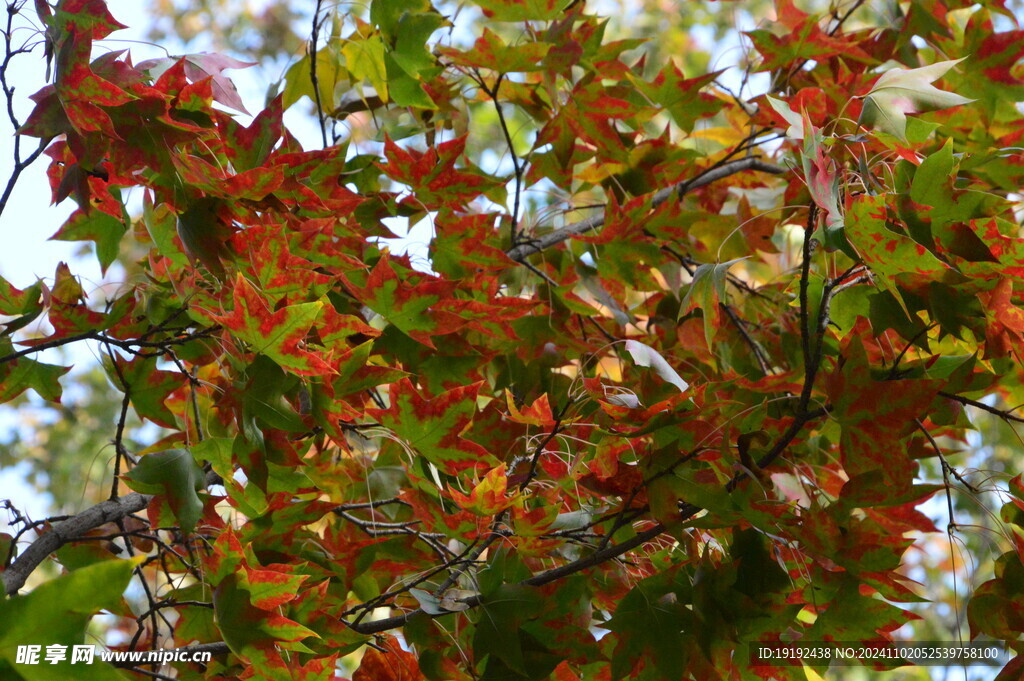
<point>682,370</point>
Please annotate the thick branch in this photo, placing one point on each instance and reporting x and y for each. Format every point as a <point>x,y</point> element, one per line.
<point>108,511</point>
<point>72,529</point>
<point>705,178</point>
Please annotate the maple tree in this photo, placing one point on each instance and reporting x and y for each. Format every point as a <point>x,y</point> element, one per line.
<point>679,375</point>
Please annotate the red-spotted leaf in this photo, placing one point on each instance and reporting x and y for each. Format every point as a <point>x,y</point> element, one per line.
<point>278,334</point>
<point>491,52</point>
<point>522,10</point>
<point>414,308</point>
<point>90,16</point>
<point>895,258</point>
<point>681,96</point>
<point>388,661</point>
<point>270,589</point>
<point>488,496</point>
<point>436,175</point>
<point>433,426</point>
<point>19,375</point>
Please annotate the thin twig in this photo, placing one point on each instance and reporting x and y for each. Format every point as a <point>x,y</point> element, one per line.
<point>20,164</point>
<point>706,177</point>
<point>127,346</point>
<point>314,36</point>
<point>755,347</point>
<point>1001,413</point>
<point>517,166</point>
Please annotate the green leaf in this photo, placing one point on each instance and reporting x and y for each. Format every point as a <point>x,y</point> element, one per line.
<point>931,185</point>
<point>330,71</point>
<point>522,10</point>
<point>57,613</point>
<point>894,257</point>
<point>172,472</point>
<point>23,373</point>
<point>903,91</point>
<point>411,52</point>
<point>649,623</point>
<point>94,225</point>
<point>498,632</point>
<point>707,291</point>
<point>364,58</point>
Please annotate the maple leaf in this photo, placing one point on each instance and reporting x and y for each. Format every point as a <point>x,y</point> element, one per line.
<point>899,92</point>
<point>489,496</point>
<point>200,66</point>
<point>279,334</point>
<point>418,310</point>
<point>433,426</point>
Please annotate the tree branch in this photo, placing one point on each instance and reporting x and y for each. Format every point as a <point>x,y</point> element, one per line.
<point>1001,413</point>
<point>708,176</point>
<point>104,512</point>
<point>72,529</point>
<point>314,36</point>
<point>98,336</point>
<point>554,574</point>
<point>755,347</point>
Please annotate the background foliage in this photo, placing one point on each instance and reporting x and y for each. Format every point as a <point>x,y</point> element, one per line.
<point>694,358</point>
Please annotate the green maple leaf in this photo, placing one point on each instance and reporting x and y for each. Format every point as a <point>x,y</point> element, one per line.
<point>904,91</point>
<point>58,613</point>
<point>175,473</point>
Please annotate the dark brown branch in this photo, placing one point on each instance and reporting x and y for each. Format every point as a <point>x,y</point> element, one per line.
<point>554,574</point>
<point>370,504</point>
<point>517,165</point>
<point>755,347</point>
<point>1001,413</point>
<point>810,366</point>
<point>314,81</point>
<point>120,452</point>
<point>609,552</point>
<point>714,174</point>
<point>127,346</point>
